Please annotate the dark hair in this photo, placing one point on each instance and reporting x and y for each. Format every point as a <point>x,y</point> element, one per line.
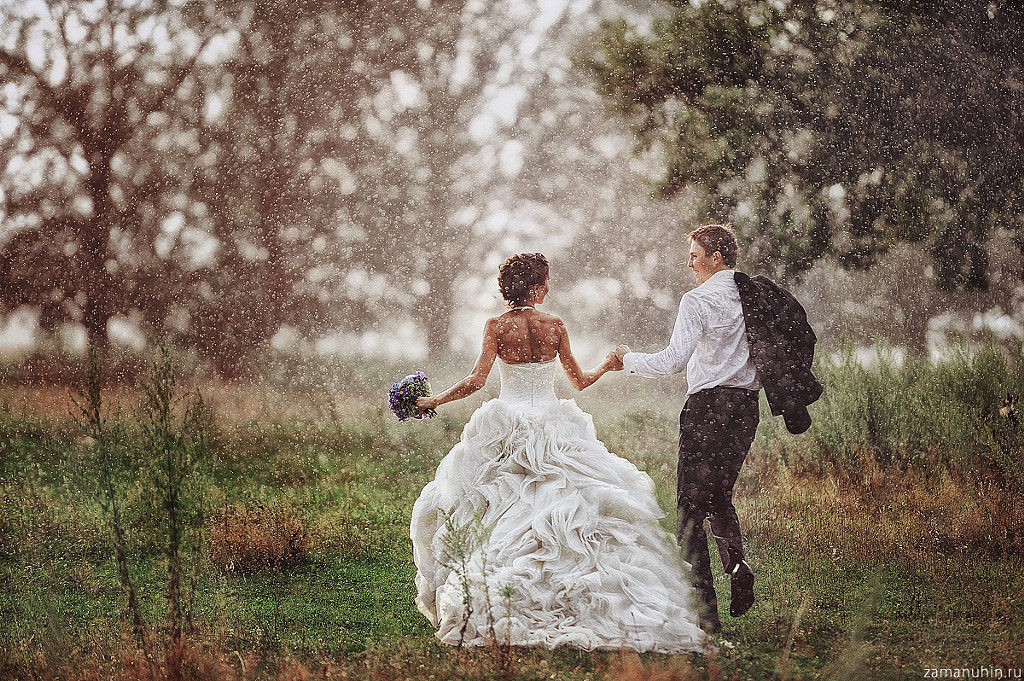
<point>519,274</point>
<point>719,238</point>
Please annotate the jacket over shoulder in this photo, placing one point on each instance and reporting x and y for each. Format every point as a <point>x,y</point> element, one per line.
<point>781,348</point>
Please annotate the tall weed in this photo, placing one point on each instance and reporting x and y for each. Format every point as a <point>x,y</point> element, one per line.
<point>913,414</point>
<point>93,417</point>
<point>171,455</point>
<point>175,428</point>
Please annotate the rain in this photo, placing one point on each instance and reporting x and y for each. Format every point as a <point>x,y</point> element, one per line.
<point>297,203</point>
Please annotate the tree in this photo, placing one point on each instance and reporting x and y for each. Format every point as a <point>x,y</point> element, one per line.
<point>552,174</point>
<point>332,190</point>
<point>271,200</point>
<point>221,195</point>
<point>832,129</point>
<point>100,118</point>
<point>413,174</point>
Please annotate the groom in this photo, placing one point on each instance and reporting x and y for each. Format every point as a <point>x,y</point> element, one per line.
<point>718,421</point>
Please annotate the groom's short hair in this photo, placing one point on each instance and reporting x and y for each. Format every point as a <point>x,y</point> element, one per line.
<point>719,238</point>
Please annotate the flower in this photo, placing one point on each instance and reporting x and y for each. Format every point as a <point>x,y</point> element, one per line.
<point>402,397</point>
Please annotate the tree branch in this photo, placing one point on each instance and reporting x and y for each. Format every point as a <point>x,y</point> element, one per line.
<point>162,97</point>
<point>61,23</point>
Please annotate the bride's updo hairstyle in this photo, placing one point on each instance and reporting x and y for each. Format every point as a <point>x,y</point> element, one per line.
<point>519,274</point>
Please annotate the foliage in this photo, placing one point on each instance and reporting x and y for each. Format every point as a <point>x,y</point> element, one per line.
<point>250,538</point>
<point>105,101</point>
<point>213,171</point>
<point>332,194</point>
<point>896,301</point>
<point>831,128</point>
<point>866,568</point>
<point>914,414</point>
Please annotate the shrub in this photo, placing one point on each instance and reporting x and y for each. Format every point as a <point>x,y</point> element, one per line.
<point>929,417</point>
<point>247,538</point>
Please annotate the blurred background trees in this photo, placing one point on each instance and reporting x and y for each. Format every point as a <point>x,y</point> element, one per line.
<point>102,109</point>
<point>833,129</point>
<point>332,176</point>
<point>350,174</point>
<point>216,171</point>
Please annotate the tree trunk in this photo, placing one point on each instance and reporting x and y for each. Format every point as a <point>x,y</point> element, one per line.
<point>93,251</point>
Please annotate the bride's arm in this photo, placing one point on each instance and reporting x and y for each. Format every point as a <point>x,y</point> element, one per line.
<point>578,378</point>
<point>476,379</point>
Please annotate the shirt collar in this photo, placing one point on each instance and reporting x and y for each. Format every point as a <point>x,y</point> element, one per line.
<point>721,274</point>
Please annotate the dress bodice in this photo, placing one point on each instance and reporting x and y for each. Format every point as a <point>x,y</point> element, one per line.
<point>531,385</point>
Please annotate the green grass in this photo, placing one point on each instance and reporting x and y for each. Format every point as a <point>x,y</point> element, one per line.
<point>915,414</point>
<point>872,562</point>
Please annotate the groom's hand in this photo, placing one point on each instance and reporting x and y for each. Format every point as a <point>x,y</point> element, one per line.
<point>614,360</point>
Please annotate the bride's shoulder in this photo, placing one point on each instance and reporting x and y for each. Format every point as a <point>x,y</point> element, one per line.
<point>500,319</point>
<point>499,323</point>
<point>511,317</point>
<point>547,319</point>
<point>553,326</point>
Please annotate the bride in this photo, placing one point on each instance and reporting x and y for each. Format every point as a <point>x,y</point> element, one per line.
<point>559,538</point>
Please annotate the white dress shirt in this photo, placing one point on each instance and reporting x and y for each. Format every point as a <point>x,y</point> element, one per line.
<point>709,341</point>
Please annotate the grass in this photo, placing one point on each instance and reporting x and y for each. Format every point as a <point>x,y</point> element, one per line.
<point>917,415</point>
<point>877,556</point>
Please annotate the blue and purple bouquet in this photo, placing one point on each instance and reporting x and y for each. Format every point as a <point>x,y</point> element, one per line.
<point>403,394</point>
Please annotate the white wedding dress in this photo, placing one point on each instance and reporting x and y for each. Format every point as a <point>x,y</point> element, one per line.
<point>573,529</point>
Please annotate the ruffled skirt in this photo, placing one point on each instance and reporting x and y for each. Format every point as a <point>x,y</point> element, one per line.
<point>533,533</point>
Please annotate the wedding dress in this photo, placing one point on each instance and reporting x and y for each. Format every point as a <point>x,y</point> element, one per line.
<point>559,538</point>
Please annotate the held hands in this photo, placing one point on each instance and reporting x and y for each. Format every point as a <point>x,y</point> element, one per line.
<point>614,358</point>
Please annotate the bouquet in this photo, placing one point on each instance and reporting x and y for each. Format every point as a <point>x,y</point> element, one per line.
<point>403,394</point>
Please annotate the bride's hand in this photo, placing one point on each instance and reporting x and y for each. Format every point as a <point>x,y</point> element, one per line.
<point>425,403</point>
<point>612,361</point>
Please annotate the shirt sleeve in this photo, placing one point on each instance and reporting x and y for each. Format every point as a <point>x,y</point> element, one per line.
<point>674,358</point>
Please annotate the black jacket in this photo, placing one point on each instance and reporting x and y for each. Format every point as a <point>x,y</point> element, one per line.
<point>781,348</point>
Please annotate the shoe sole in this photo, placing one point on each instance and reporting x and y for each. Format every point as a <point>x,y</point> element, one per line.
<point>742,593</point>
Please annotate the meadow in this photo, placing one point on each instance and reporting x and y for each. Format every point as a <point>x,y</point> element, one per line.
<point>156,524</point>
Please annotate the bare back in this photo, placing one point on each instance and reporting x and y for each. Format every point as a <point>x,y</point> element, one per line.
<point>520,336</point>
<point>527,336</point>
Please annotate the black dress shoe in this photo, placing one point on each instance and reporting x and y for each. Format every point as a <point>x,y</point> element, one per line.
<point>742,589</point>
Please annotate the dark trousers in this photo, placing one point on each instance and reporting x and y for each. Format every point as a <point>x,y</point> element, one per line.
<point>716,429</point>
